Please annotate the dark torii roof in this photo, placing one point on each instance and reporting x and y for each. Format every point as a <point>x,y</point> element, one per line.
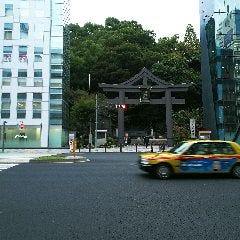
<point>144,80</point>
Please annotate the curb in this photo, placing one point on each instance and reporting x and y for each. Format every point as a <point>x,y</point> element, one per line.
<point>67,160</point>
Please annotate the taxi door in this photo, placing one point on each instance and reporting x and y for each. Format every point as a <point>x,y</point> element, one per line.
<point>208,157</point>
<point>195,163</point>
<point>223,156</point>
<point>222,162</point>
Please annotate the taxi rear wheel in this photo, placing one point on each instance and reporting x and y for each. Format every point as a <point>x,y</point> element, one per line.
<point>163,171</point>
<point>236,171</point>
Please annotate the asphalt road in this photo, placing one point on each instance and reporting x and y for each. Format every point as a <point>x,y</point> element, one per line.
<point>110,198</point>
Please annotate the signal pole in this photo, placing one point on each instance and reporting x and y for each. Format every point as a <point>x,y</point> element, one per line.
<point>96,119</point>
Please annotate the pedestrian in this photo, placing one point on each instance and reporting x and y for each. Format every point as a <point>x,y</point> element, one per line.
<point>129,141</point>
<point>146,141</point>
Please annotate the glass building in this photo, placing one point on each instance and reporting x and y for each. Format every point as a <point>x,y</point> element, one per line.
<point>34,72</point>
<point>220,63</point>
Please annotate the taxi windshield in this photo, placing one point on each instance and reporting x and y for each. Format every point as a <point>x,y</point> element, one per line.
<point>180,147</point>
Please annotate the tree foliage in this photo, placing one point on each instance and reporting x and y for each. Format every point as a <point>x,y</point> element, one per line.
<point>182,122</point>
<point>115,52</point>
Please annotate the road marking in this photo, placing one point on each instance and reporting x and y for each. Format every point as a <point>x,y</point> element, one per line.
<point>6,166</point>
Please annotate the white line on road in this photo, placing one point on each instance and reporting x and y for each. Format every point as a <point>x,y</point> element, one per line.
<point>6,166</point>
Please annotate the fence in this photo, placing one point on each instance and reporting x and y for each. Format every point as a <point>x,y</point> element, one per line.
<point>136,145</point>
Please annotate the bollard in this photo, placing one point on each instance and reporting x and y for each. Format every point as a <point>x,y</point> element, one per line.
<point>74,147</point>
<point>151,147</point>
<point>136,147</point>
<point>105,146</point>
<point>3,135</point>
<point>120,147</point>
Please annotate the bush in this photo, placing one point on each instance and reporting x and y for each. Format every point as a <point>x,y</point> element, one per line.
<point>110,141</point>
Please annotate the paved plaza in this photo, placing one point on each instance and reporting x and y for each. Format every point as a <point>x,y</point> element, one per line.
<point>24,155</point>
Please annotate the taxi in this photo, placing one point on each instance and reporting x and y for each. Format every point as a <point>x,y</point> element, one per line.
<point>194,156</point>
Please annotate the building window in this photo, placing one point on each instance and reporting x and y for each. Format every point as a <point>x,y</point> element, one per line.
<point>55,96</point>
<point>5,107</point>
<point>37,97</point>
<point>22,96</point>
<point>7,53</point>
<point>38,81</point>
<point>55,117</point>
<point>38,53</point>
<point>6,96</point>
<point>56,105</point>
<point>21,114</point>
<point>37,73</point>
<point>7,72</point>
<point>21,105</point>
<point>56,58</point>
<point>5,113</point>
<point>22,54</point>
<point>37,105</point>
<point>24,30</point>
<point>6,76</point>
<point>55,91</point>
<point>56,83</point>
<point>22,77</point>
<point>22,73</point>
<point>8,9</point>
<point>37,114</point>
<point>56,72</point>
<point>8,28</point>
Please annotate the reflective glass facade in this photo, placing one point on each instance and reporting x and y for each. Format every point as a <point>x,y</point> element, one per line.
<point>220,62</point>
<point>59,73</point>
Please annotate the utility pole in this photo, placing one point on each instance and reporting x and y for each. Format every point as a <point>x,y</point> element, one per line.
<point>90,121</point>
<point>96,118</point>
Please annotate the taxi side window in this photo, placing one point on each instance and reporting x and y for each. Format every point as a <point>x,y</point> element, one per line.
<point>210,148</point>
<point>227,149</point>
<point>221,148</point>
<point>198,149</point>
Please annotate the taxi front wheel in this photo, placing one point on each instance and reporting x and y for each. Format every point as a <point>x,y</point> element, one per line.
<point>163,171</point>
<point>236,171</point>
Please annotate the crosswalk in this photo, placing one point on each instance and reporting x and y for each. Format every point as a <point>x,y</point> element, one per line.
<point>6,166</point>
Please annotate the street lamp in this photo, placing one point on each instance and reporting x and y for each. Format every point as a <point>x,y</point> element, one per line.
<point>3,135</point>
<point>96,114</point>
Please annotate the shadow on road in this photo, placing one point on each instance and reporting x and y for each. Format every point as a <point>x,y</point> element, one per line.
<point>189,176</point>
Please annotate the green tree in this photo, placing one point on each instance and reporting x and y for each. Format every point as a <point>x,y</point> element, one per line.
<point>182,123</point>
<point>115,52</point>
<point>82,111</point>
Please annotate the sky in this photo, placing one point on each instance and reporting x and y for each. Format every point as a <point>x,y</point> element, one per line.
<point>165,17</point>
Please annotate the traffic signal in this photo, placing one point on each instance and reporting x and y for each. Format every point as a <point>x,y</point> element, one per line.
<point>123,107</point>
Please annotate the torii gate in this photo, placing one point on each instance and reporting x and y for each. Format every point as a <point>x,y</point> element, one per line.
<point>145,83</point>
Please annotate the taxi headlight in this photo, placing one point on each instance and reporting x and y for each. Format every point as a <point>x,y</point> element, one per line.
<point>144,160</point>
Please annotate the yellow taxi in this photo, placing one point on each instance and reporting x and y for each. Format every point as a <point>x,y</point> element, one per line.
<point>194,156</point>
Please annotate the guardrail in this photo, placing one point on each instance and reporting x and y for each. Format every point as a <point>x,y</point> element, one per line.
<point>152,147</point>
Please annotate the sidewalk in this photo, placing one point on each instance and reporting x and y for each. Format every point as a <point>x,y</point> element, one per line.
<point>24,155</point>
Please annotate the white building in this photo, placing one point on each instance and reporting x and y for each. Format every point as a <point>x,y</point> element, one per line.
<point>34,72</point>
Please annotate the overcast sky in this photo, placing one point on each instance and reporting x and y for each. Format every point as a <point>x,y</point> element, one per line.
<point>164,17</point>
